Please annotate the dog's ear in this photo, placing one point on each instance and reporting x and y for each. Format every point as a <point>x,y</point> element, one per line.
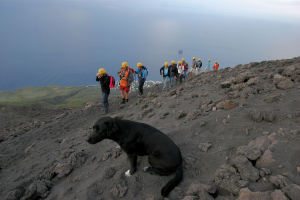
<point>112,125</point>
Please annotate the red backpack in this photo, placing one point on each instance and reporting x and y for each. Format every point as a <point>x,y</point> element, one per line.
<point>112,82</point>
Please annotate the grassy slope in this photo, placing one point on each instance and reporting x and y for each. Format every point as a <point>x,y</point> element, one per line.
<point>51,96</point>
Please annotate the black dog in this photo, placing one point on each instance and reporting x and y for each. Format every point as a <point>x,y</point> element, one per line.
<point>138,139</point>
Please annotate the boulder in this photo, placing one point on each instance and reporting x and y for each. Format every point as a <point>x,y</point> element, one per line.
<point>278,78</point>
<point>256,116</point>
<point>227,178</point>
<point>245,168</point>
<point>261,143</point>
<point>246,194</point>
<point>204,146</point>
<point>181,114</point>
<point>279,181</point>
<point>109,172</point>
<point>278,195</point>
<point>264,172</point>
<point>63,169</point>
<point>228,105</point>
<point>292,191</point>
<point>253,81</point>
<point>95,190</point>
<point>250,152</point>
<point>15,194</point>
<point>289,70</point>
<point>201,191</point>
<point>38,188</point>
<point>190,198</point>
<point>265,160</point>
<point>243,77</point>
<point>285,84</point>
<point>119,190</point>
<point>226,84</point>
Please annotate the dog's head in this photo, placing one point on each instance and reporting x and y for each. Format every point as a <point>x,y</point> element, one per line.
<point>104,128</point>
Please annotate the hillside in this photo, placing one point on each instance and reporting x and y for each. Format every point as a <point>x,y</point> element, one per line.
<point>54,96</point>
<point>238,130</point>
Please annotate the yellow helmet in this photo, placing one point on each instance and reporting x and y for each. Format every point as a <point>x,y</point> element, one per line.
<point>173,62</point>
<point>166,63</point>
<point>216,61</point>
<point>101,71</point>
<point>124,64</point>
<point>209,60</point>
<point>139,64</point>
<point>194,58</point>
<point>182,59</point>
<point>199,59</point>
<point>179,62</point>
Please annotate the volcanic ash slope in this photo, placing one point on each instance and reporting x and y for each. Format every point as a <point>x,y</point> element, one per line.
<point>238,130</point>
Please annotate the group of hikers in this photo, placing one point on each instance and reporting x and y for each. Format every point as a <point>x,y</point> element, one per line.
<point>179,72</point>
<point>174,73</point>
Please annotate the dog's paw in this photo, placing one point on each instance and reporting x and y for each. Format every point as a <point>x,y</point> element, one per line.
<point>145,169</point>
<point>127,173</point>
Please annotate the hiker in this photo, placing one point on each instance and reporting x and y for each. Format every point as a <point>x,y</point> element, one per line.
<point>194,67</point>
<point>186,67</point>
<point>165,73</point>
<point>142,74</point>
<point>126,76</point>
<point>180,68</point>
<point>199,65</point>
<point>216,66</point>
<point>207,69</point>
<point>173,72</point>
<point>104,80</point>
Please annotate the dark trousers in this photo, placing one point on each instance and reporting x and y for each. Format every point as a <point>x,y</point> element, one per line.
<point>141,85</point>
<point>105,101</point>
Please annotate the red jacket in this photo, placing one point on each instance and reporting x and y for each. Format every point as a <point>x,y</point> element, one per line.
<point>216,66</point>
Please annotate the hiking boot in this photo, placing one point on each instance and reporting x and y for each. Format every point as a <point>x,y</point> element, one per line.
<point>126,100</point>
<point>123,101</point>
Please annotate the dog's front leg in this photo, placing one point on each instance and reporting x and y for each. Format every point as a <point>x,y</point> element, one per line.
<point>133,162</point>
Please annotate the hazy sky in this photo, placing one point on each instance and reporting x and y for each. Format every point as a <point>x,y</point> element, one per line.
<point>65,41</point>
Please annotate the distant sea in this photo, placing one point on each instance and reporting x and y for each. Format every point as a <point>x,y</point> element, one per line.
<point>38,47</point>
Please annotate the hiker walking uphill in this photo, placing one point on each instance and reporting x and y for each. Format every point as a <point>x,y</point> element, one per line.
<point>173,72</point>
<point>126,78</point>
<point>216,66</point>
<point>207,69</point>
<point>186,67</point>
<point>142,74</point>
<point>194,67</point>
<point>165,73</point>
<point>106,83</point>
<point>199,65</point>
<point>180,68</point>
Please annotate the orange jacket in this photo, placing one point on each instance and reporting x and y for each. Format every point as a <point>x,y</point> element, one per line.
<point>124,75</point>
<point>216,66</point>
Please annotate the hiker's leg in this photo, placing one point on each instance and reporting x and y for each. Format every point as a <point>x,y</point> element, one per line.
<point>172,81</point>
<point>123,94</point>
<point>105,101</point>
<point>142,87</point>
<point>165,82</point>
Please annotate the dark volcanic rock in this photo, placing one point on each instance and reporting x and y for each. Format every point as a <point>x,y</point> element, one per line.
<point>227,178</point>
<point>292,191</point>
<point>109,172</point>
<point>245,168</point>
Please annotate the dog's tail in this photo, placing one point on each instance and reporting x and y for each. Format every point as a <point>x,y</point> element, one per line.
<point>173,182</point>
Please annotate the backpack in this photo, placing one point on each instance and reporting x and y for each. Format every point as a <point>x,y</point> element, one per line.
<point>112,82</point>
<point>130,77</point>
<point>145,73</point>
